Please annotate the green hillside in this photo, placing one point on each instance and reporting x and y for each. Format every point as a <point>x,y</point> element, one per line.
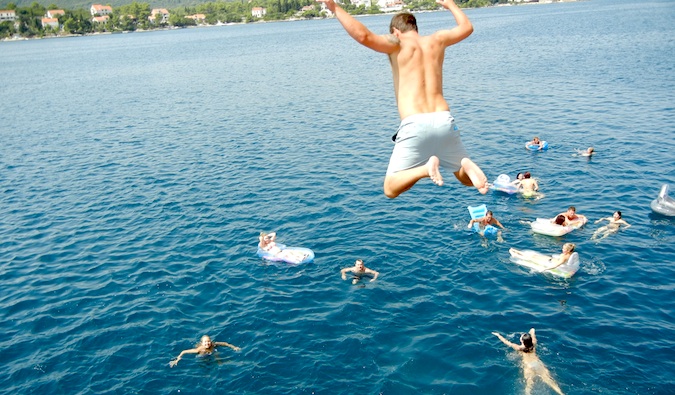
<point>84,4</point>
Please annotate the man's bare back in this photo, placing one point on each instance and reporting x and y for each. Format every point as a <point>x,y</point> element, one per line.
<point>418,80</point>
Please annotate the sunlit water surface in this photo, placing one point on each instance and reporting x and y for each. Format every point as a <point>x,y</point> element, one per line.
<point>136,171</point>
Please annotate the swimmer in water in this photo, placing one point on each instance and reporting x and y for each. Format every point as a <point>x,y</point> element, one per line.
<point>204,347</point>
<point>529,187</point>
<point>560,220</point>
<point>488,219</point>
<point>518,180</point>
<point>267,242</point>
<point>535,141</point>
<point>572,218</point>
<point>615,222</point>
<point>358,270</point>
<point>532,365</point>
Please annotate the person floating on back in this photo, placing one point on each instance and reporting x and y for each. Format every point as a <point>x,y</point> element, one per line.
<point>427,137</point>
<point>615,222</point>
<point>205,347</point>
<point>532,365</point>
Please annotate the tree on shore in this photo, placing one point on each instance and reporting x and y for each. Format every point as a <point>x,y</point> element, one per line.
<point>135,16</point>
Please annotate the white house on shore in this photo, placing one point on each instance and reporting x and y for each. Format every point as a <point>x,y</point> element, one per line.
<point>7,15</point>
<point>55,13</point>
<point>258,12</point>
<point>390,5</point>
<point>51,22</point>
<point>199,18</point>
<point>161,13</point>
<point>100,19</point>
<point>100,10</point>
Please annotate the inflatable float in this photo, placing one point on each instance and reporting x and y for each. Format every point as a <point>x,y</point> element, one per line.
<point>478,212</point>
<point>503,184</point>
<point>539,262</point>
<point>664,204</point>
<point>309,255</point>
<point>535,147</point>
<point>544,226</point>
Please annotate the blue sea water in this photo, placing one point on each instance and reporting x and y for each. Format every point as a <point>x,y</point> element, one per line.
<point>136,171</point>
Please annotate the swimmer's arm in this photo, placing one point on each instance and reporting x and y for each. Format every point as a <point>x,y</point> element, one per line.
<point>601,219</point>
<point>625,223</point>
<point>561,259</point>
<point>458,33</point>
<point>175,361</point>
<point>359,32</point>
<point>534,337</point>
<point>508,343</point>
<point>471,223</point>
<point>498,223</point>
<point>344,272</point>
<point>235,348</point>
<point>374,273</point>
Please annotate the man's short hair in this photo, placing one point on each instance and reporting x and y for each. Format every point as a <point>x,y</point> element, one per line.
<point>404,22</point>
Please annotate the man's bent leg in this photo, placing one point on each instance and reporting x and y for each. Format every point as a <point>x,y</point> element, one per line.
<point>471,175</point>
<point>399,182</point>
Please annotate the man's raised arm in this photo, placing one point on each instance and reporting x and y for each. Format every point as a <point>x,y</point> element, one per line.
<point>384,44</point>
<point>463,29</point>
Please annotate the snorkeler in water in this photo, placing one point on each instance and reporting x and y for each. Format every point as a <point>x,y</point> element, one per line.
<point>204,347</point>
<point>532,365</point>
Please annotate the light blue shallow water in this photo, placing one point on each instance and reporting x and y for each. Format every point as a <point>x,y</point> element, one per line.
<point>136,171</point>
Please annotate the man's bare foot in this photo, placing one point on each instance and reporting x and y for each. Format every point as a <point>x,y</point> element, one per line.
<point>476,175</point>
<point>434,172</point>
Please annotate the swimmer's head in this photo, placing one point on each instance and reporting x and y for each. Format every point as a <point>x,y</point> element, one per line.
<point>526,341</point>
<point>489,213</point>
<point>572,209</point>
<point>568,247</point>
<point>403,22</point>
<point>527,174</point>
<point>519,176</point>
<point>617,214</point>
<point>205,341</point>
<point>535,139</point>
<point>560,220</point>
<point>359,263</point>
<point>590,150</point>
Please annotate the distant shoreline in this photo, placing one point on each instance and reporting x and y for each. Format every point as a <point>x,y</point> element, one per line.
<point>14,39</point>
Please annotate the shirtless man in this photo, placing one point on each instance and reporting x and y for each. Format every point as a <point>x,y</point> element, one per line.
<point>532,365</point>
<point>427,138</point>
<point>488,219</point>
<point>205,346</point>
<point>615,222</point>
<point>528,185</point>
<point>572,217</point>
<point>358,270</point>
